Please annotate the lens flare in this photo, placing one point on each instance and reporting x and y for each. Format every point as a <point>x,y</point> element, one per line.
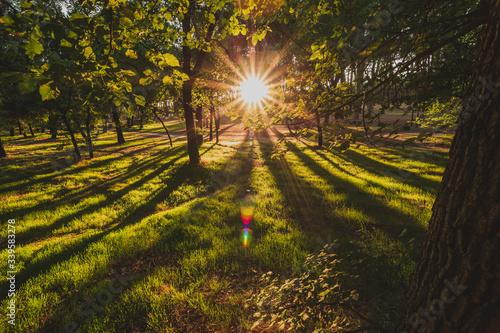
<point>246,236</point>
<point>247,207</point>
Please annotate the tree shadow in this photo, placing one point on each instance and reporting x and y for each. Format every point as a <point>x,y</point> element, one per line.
<point>66,196</point>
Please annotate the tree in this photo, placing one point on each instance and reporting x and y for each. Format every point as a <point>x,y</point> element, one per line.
<point>455,286</point>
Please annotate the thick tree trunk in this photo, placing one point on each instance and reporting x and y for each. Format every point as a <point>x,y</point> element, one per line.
<point>118,126</point>
<point>456,286</point>
<point>187,93</point>
<point>72,136</point>
<point>199,125</point>
<point>3,154</point>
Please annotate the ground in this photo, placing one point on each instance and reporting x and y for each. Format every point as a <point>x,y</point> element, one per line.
<point>137,240</point>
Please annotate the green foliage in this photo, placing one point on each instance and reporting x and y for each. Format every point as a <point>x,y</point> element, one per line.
<point>440,115</point>
<point>310,299</point>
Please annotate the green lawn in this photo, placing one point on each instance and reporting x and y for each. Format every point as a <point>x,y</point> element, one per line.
<point>136,240</point>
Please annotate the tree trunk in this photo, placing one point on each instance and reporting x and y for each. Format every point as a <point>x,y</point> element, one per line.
<point>105,126</point>
<point>20,127</point>
<point>128,122</point>
<point>199,125</point>
<point>217,126</point>
<point>141,119</point>
<point>187,92</point>
<point>72,135</point>
<point>456,287</point>
<point>320,129</point>
<point>31,129</point>
<point>12,131</point>
<point>89,137</point>
<point>165,127</point>
<point>116,119</point>
<point>53,125</point>
<point>3,154</point>
<point>211,121</point>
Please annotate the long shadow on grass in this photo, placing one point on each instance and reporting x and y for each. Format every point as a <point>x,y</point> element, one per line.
<point>172,236</point>
<point>384,217</point>
<point>381,169</point>
<point>68,197</point>
<point>52,172</point>
<point>40,231</point>
<point>135,214</point>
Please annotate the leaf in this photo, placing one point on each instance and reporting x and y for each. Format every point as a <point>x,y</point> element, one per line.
<point>171,60</point>
<point>128,72</point>
<point>131,54</point>
<point>87,52</point>
<point>77,16</point>
<point>27,85</point>
<point>33,48</point>
<point>65,43</point>
<point>46,91</point>
<point>7,20</point>
<point>140,100</point>
<point>167,80</point>
<point>125,21</point>
<point>117,101</point>
<point>255,39</point>
<point>145,81</point>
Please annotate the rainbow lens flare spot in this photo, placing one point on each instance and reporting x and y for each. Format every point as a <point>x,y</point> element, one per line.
<point>246,235</point>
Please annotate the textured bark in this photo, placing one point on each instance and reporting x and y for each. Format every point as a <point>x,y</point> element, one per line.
<point>187,93</point>
<point>456,284</point>
<point>118,126</point>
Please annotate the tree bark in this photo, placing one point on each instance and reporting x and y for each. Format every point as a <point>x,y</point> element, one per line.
<point>3,154</point>
<point>31,129</point>
<point>105,126</point>
<point>187,92</point>
<point>12,131</point>
<point>456,287</point>
<point>116,120</point>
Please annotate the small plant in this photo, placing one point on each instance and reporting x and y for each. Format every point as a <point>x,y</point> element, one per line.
<point>440,115</point>
<point>309,300</point>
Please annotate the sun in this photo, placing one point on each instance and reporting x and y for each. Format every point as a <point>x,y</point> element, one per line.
<point>253,90</point>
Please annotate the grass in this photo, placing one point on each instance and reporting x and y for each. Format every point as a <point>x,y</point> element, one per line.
<point>137,240</point>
